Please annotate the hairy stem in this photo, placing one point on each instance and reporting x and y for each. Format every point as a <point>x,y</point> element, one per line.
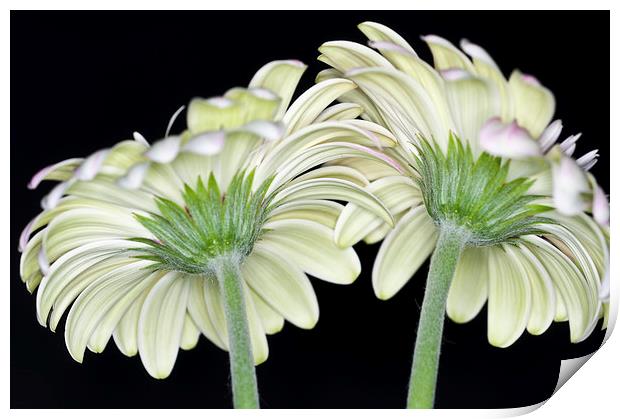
<point>243,374</point>
<point>428,341</point>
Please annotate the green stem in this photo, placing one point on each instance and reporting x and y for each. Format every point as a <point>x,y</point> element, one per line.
<point>243,375</point>
<point>428,341</point>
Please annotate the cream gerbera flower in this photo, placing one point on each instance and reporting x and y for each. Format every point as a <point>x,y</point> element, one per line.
<point>511,231</point>
<point>210,232</point>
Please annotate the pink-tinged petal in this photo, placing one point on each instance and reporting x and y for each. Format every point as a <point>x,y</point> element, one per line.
<point>23,238</point>
<point>393,163</point>
<point>164,151</point>
<point>41,174</point>
<point>454,74</point>
<point>391,47</point>
<point>569,144</point>
<point>44,265</point>
<point>270,131</point>
<point>51,199</point>
<point>507,140</point>
<point>477,52</point>
<point>550,135</point>
<point>206,144</point>
<point>569,186</point>
<point>91,166</point>
<point>134,177</point>
<point>140,138</point>
<point>173,118</point>
<point>588,159</point>
<point>528,78</point>
<point>600,206</point>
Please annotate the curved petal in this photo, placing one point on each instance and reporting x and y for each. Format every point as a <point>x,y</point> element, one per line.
<point>510,297</point>
<point>280,77</point>
<point>311,247</point>
<point>310,104</point>
<point>397,193</point>
<point>543,294</point>
<point>100,297</point>
<point>403,251</point>
<point>534,104</point>
<point>161,324</point>
<point>282,285</point>
<point>469,288</point>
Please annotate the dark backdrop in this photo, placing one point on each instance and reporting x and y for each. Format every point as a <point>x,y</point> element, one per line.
<point>81,81</point>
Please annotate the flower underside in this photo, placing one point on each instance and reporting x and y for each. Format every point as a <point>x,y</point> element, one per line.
<point>475,195</point>
<point>212,225</point>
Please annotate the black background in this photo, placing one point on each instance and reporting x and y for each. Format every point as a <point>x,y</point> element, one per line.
<point>82,81</point>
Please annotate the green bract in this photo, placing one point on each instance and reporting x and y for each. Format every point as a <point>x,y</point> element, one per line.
<point>211,225</point>
<point>475,195</point>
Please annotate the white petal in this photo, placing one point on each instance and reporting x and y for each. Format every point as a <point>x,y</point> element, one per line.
<point>59,171</point>
<point>509,299</point>
<point>268,130</point>
<point>134,177</point>
<point>398,193</point>
<point>282,285</point>
<point>206,144</point>
<point>600,206</point>
<point>507,140</point>
<point>164,151</point>
<point>569,185</point>
<point>197,308</point>
<point>550,135</point>
<point>172,119</point>
<point>190,335</point>
<point>310,246</point>
<point>587,160</point>
<point>140,138</point>
<point>469,289</point>
<point>91,165</point>
<point>403,251</point>
<point>118,287</point>
<point>51,199</point>
<point>161,324</point>
<point>534,104</point>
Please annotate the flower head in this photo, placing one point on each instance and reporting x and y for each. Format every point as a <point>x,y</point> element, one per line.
<point>479,156</point>
<point>131,238</point>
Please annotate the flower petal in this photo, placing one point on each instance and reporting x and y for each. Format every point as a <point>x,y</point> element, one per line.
<point>311,103</point>
<point>543,293</point>
<point>198,310</point>
<point>282,285</point>
<point>104,300</point>
<point>60,171</point>
<point>280,77</point>
<point>310,246</point>
<point>510,298</point>
<point>507,140</point>
<point>397,193</point>
<point>534,104</point>
<point>403,251</point>
<point>469,288</point>
<point>161,324</point>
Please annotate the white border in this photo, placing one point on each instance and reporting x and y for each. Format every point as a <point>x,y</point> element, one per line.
<point>592,393</point>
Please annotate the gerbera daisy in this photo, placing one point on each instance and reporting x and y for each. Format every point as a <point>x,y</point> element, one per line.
<point>485,190</point>
<point>210,232</point>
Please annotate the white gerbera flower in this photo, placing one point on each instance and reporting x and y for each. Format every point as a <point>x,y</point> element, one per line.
<point>209,232</point>
<point>508,230</point>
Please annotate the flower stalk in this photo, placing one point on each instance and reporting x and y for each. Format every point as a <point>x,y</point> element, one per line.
<point>423,379</point>
<point>242,371</point>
